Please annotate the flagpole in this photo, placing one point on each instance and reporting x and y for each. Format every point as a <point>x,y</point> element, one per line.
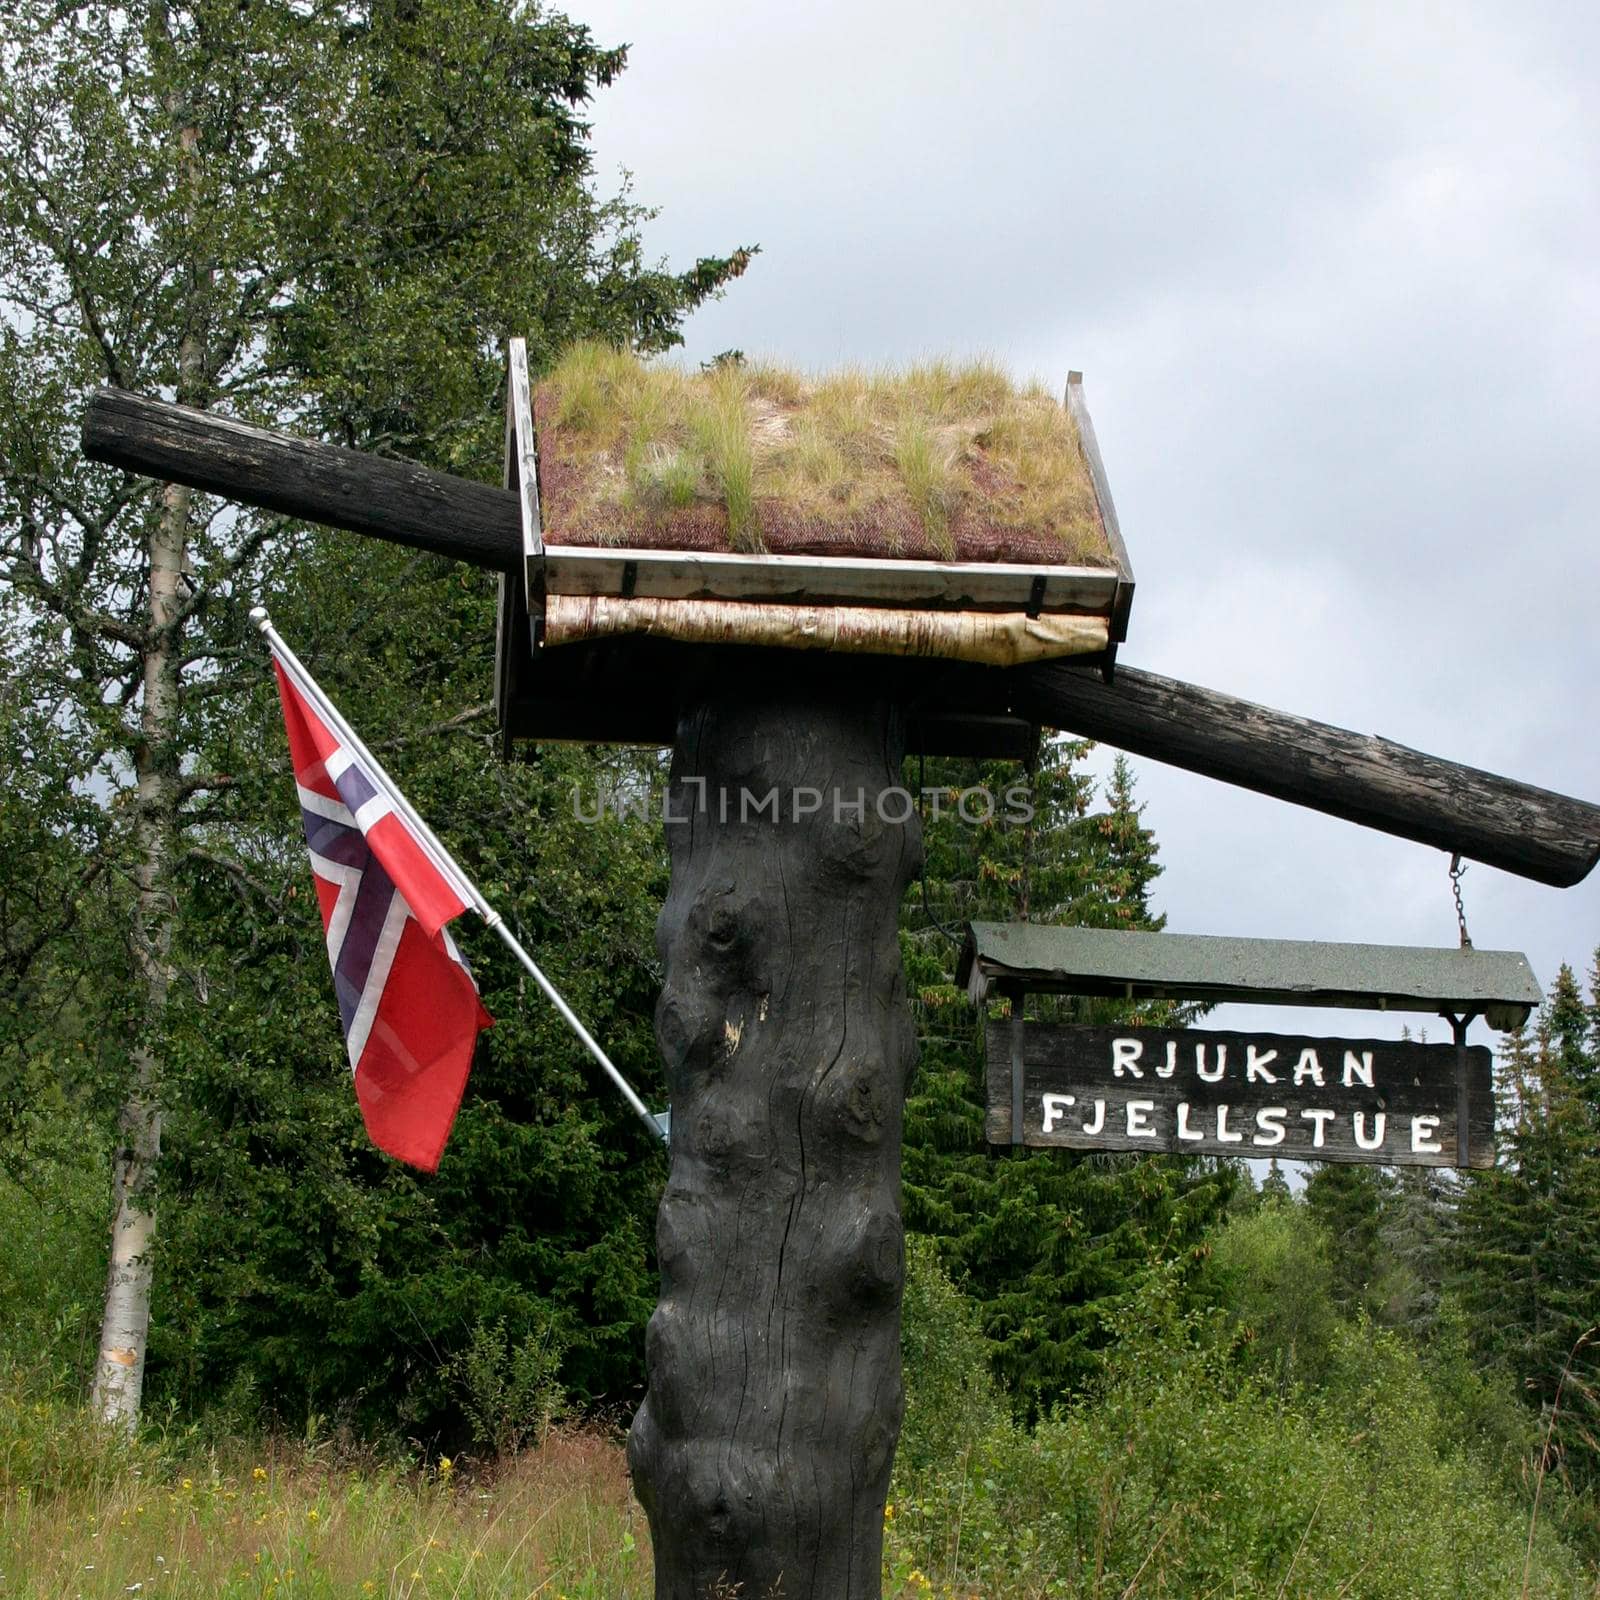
<point>446,863</point>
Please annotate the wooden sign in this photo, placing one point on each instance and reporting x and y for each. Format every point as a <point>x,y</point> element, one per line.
<point>1260,1095</point>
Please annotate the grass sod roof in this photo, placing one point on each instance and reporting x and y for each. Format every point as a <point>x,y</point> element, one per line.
<point>940,461</point>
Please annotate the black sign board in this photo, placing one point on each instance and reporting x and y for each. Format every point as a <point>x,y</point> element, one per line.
<point>1238,1094</point>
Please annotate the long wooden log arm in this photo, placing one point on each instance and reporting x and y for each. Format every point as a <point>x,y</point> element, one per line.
<point>1531,832</point>
<point>374,495</point>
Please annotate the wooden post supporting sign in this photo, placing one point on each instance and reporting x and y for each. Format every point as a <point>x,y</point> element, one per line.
<point>763,1448</point>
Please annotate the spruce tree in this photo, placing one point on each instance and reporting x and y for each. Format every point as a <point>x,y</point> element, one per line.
<point>1527,1261</point>
<point>1048,1243</point>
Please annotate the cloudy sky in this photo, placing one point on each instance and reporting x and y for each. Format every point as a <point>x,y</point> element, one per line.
<point>1330,272</point>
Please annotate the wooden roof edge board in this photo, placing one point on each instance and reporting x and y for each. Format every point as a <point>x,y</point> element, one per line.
<point>522,479</point>
<point>1498,983</point>
<point>844,580</point>
<point>1078,410</point>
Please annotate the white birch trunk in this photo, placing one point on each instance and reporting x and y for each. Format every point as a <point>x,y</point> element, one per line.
<point>124,1330</point>
<point>125,1327</point>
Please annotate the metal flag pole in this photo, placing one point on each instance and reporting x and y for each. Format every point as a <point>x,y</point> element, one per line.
<point>446,863</point>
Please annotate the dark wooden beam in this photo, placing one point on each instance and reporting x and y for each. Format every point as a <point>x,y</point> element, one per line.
<point>373,495</point>
<point>1532,832</point>
<point>762,1450</point>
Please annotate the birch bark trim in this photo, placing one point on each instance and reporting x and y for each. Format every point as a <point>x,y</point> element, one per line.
<point>994,639</point>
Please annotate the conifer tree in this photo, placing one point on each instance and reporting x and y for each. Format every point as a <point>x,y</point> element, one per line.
<point>1348,1203</point>
<point>1048,1243</point>
<point>1527,1262</point>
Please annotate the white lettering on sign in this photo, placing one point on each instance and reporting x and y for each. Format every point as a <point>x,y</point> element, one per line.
<point>1125,1055</point>
<point>1243,1095</point>
<point>1357,1069</point>
<point>1256,1063</point>
<point>1308,1069</point>
<point>1319,1120</point>
<point>1055,1109</point>
<point>1269,1125</point>
<point>1139,1125</point>
<point>1376,1141</point>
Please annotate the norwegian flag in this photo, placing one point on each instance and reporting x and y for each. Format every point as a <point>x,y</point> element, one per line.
<point>409,1006</point>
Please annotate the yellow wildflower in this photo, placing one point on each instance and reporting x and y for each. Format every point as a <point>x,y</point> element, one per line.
<point>446,1466</point>
<point>188,1483</point>
<point>259,1474</point>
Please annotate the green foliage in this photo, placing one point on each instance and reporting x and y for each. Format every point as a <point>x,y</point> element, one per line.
<point>1182,1473</point>
<point>52,1446</point>
<point>952,1401</point>
<point>330,218</point>
<point>52,1254</point>
<point>306,1272</point>
<point>1526,1253</point>
<point>510,1395</point>
<point>1272,1274</point>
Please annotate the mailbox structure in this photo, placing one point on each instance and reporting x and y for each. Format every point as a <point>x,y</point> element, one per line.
<point>793,582</point>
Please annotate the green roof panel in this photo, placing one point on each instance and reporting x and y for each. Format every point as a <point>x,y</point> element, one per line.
<point>1033,957</point>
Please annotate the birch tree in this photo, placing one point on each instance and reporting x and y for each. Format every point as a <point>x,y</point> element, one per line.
<point>321,213</point>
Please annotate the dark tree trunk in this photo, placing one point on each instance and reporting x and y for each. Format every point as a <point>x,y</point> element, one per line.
<point>763,1449</point>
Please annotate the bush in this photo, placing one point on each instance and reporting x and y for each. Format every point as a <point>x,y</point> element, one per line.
<point>55,1197</point>
<point>1185,1473</point>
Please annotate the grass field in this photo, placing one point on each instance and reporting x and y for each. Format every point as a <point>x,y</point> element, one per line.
<point>289,1525</point>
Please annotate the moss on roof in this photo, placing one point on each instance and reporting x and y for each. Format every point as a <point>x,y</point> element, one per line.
<point>938,461</point>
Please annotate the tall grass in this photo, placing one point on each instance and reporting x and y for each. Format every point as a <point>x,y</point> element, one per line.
<point>721,429</point>
<point>957,442</point>
<point>284,1523</point>
<point>925,471</point>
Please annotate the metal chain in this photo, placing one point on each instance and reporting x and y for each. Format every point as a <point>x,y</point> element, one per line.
<point>1457,872</point>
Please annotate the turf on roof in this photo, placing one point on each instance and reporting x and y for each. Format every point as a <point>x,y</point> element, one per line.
<point>937,462</point>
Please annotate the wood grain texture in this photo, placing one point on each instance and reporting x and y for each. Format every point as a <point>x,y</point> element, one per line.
<point>986,638</point>
<point>1517,827</point>
<point>1078,410</point>
<point>1409,1081</point>
<point>763,1448</point>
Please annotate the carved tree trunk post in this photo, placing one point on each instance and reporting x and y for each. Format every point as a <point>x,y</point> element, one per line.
<point>762,1452</point>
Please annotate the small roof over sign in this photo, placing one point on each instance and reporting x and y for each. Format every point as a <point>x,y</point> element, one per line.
<point>1498,984</point>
